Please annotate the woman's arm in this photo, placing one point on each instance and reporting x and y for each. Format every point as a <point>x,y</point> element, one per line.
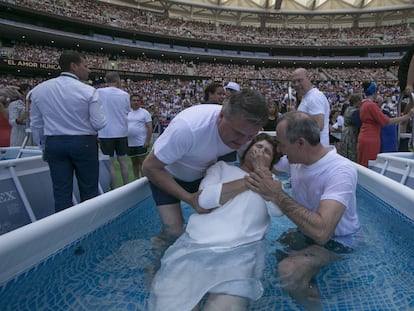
<point>401,118</point>
<point>214,192</point>
<point>410,77</point>
<point>231,189</point>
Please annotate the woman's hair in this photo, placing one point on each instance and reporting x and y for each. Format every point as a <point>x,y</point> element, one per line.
<point>275,104</point>
<point>355,99</point>
<point>270,139</point>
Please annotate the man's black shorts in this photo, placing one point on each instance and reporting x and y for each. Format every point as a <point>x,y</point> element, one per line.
<point>111,145</point>
<point>137,151</point>
<point>163,198</point>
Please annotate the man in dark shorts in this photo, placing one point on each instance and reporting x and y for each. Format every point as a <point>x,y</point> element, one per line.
<point>322,205</point>
<point>139,134</point>
<point>113,137</point>
<point>192,142</point>
<point>137,155</point>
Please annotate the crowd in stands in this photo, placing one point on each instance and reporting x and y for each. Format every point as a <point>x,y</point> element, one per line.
<point>145,21</point>
<point>24,51</point>
<point>151,66</point>
<point>50,54</point>
<point>167,97</point>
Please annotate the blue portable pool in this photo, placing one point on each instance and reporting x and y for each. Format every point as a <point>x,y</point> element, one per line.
<point>94,255</point>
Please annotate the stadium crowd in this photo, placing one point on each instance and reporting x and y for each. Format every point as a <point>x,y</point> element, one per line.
<point>99,60</point>
<point>151,22</point>
<point>184,85</point>
<point>167,97</point>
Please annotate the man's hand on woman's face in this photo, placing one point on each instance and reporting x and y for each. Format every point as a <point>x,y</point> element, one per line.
<point>259,160</point>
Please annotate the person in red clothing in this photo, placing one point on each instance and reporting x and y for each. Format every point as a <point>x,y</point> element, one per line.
<point>373,119</point>
<point>7,95</point>
<point>5,128</point>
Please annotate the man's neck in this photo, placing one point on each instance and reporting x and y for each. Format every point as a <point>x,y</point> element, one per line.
<point>316,153</point>
<point>69,74</point>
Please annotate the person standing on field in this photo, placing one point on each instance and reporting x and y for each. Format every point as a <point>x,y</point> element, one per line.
<point>65,116</point>
<point>139,134</point>
<point>113,137</point>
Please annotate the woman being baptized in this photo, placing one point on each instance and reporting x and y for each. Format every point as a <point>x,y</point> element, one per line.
<point>221,254</point>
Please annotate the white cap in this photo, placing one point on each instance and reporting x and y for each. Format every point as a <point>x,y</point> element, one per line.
<point>232,86</point>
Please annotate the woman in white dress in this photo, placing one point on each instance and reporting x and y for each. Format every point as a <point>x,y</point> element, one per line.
<point>222,252</point>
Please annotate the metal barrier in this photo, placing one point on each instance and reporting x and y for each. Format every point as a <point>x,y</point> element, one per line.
<point>26,189</point>
<point>398,166</point>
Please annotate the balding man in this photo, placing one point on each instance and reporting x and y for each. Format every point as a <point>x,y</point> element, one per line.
<point>312,101</point>
<point>322,206</point>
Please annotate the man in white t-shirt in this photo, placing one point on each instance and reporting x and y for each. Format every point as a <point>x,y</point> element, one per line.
<point>322,206</point>
<point>191,143</point>
<point>139,134</point>
<point>312,101</point>
<point>113,137</point>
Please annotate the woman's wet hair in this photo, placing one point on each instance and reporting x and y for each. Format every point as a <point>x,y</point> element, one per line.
<point>271,140</point>
<point>300,125</point>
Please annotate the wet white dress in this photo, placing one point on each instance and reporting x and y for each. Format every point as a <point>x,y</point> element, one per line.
<point>220,252</point>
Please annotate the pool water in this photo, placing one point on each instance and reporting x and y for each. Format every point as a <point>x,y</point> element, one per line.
<point>106,269</point>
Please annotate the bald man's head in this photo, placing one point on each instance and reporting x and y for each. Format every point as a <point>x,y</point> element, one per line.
<point>301,81</point>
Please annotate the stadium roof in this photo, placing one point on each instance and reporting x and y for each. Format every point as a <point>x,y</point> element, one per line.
<point>284,13</point>
<point>311,5</point>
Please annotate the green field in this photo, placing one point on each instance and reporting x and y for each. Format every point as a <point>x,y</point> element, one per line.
<point>118,173</point>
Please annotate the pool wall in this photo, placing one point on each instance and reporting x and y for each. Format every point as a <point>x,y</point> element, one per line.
<point>21,183</point>
<point>26,190</point>
<point>398,166</point>
<point>7,153</point>
<point>26,247</point>
<point>390,191</point>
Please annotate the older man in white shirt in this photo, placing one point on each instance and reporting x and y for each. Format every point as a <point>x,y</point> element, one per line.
<point>312,101</point>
